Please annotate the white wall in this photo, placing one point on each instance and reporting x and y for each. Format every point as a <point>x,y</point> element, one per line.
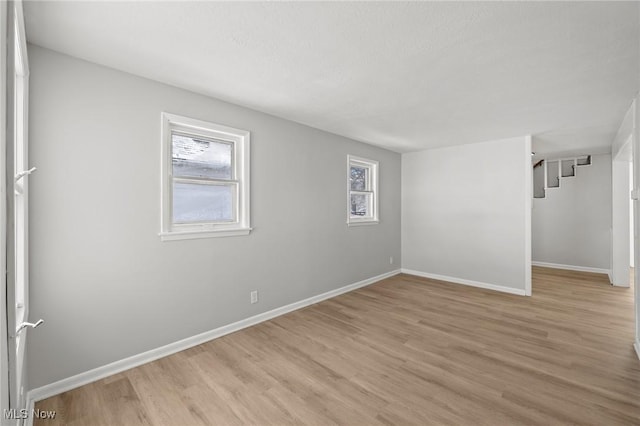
<point>571,226</point>
<point>623,134</point>
<point>631,231</point>
<point>621,155</point>
<point>464,213</point>
<point>620,222</point>
<point>106,285</point>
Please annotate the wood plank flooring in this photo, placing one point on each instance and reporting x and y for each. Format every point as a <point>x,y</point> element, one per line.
<point>406,350</point>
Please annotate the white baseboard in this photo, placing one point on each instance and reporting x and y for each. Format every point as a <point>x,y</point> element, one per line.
<point>637,348</point>
<point>520,292</point>
<point>571,267</point>
<point>81,379</point>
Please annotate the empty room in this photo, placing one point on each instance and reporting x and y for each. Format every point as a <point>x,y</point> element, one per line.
<point>319,213</point>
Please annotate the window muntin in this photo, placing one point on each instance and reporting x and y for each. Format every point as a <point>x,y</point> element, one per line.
<point>205,179</point>
<point>362,193</point>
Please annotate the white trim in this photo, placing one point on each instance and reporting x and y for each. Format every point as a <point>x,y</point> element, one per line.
<point>20,196</point>
<point>240,139</point>
<point>22,52</point>
<point>575,157</point>
<point>373,167</point>
<point>370,222</point>
<point>571,267</point>
<point>30,406</point>
<point>636,346</point>
<point>81,379</point>
<point>455,280</point>
<point>635,152</point>
<point>193,235</point>
<point>4,335</point>
<point>528,205</point>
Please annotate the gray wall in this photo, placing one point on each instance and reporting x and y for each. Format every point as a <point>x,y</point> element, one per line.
<point>538,181</point>
<point>464,212</point>
<point>571,226</point>
<point>107,286</point>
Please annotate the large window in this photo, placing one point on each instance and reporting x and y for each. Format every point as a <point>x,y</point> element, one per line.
<point>363,191</point>
<point>205,182</point>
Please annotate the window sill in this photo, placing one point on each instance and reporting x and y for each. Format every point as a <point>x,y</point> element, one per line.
<point>363,223</point>
<point>192,235</point>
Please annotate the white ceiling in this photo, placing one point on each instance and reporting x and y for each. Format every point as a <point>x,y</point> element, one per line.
<point>406,76</point>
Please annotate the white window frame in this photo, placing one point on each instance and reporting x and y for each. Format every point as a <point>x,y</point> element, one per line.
<point>372,188</point>
<point>240,140</point>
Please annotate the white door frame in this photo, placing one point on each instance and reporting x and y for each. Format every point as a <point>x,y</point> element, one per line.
<point>620,150</point>
<point>636,217</point>
<point>528,206</point>
<point>4,336</point>
<point>16,161</point>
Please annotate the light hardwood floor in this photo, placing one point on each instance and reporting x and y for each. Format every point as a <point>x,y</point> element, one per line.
<point>406,350</point>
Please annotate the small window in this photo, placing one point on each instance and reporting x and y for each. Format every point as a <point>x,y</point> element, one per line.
<point>362,191</point>
<point>205,179</point>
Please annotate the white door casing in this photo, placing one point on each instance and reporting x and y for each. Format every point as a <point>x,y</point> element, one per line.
<point>17,277</point>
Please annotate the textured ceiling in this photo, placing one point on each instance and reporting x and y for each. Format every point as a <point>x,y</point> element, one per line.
<point>406,76</point>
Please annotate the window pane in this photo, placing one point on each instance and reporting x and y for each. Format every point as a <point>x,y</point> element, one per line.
<point>198,157</point>
<point>202,203</point>
<point>360,205</point>
<point>359,178</point>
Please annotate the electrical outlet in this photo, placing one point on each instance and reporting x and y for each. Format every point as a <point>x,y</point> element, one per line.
<point>254,296</point>
<point>391,260</point>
